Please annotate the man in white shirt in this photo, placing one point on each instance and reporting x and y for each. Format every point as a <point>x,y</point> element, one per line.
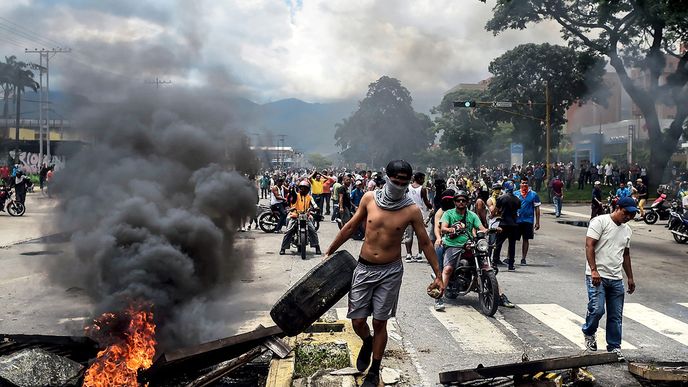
<point>607,249</point>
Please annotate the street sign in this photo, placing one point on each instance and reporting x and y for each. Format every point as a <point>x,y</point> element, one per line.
<point>502,104</point>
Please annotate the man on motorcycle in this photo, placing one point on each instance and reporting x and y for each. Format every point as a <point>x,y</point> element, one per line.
<point>453,222</point>
<point>303,204</point>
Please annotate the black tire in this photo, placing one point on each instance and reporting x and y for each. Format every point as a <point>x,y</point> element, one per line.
<point>314,294</point>
<point>678,238</point>
<point>489,298</point>
<point>268,222</point>
<point>651,217</point>
<point>303,243</point>
<point>15,208</point>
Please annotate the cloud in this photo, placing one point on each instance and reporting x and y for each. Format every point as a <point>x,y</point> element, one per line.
<point>266,49</point>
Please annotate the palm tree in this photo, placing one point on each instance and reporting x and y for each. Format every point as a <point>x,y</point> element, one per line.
<point>15,75</point>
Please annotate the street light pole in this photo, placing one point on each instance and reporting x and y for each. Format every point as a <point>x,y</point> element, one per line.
<point>547,126</point>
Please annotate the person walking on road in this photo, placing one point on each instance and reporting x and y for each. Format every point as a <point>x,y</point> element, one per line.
<point>557,195</point>
<point>596,206</point>
<point>377,278</point>
<point>607,251</point>
<point>528,217</point>
<point>642,196</point>
<point>419,194</point>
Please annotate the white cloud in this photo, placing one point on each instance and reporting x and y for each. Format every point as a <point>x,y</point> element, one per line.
<point>315,50</point>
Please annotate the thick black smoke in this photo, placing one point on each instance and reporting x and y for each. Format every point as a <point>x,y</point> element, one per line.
<point>153,205</point>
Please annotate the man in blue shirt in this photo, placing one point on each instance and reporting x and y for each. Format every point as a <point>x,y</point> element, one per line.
<point>622,192</point>
<point>528,217</point>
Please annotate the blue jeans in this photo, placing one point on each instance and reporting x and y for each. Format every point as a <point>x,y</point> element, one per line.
<point>611,293</point>
<point>557,205</point>
<point>440,256</point>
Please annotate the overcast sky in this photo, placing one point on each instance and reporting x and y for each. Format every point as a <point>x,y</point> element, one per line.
<point>265,50</point>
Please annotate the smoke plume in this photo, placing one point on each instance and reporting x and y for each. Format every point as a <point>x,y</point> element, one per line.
<point>153,205</point>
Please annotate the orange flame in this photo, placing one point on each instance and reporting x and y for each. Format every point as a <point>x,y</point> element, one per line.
<point>131,337</point>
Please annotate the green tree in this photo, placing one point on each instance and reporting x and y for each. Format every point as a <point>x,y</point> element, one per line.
<point>384,127</point>
<point>464,129</point>
<point>630,33</point>
<point>319,161</point>
<point>16,74</point>
<point>521,75</point>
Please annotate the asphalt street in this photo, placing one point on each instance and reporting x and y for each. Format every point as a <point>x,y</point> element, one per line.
<point>549,293</point>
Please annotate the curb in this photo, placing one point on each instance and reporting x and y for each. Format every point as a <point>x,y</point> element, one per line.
<point>281,371</point>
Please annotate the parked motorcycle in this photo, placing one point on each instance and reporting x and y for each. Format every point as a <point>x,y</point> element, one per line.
<point>8,201</point>
<point>678,226</point>
<point>660,209</point>
<point>267,218</point>
<point>474,273</point>
<point>611,203</point>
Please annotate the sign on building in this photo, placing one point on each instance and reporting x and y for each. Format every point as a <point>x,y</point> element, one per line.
<point>516,153</point>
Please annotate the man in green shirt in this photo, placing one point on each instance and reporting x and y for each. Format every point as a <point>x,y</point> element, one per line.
<point>453,223</point>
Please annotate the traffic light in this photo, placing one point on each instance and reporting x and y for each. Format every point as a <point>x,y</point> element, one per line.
<point>466,104</point>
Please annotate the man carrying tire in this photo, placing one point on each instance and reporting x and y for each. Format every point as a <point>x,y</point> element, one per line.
<point>377,278</point>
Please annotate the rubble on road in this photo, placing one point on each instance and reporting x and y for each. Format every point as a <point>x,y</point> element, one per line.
<point>37,367</point>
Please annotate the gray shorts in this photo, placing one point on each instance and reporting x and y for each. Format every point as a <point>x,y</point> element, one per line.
<point>451,256</point>
<point>375,290</point>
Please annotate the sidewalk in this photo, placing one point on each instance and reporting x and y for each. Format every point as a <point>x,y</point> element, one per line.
<point>35,223</point>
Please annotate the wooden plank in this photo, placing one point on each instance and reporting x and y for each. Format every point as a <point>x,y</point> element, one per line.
<point>226,368</point>
<point>666,372</point>
<point>529,367</point>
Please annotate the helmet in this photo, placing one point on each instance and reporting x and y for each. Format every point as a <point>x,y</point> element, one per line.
<point>509,186</point>
<point>304,183</point>
<point>461,193</point>
<point>496,186</point>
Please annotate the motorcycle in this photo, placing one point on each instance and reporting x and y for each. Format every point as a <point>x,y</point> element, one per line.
<point>268,219</point>
<point>7,201</point>
<point>678,226</point>
<point>660,210</point>
<point>474,273</point>
<point>300,238</point>
<point>611,203</point>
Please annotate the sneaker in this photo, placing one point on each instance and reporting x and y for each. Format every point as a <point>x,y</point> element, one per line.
<point>590,342</point>
<point>282,252</point>
<point>523,262</point>
<point>618,353</point>
<point>419,258</point>
<point>317,251</point>
<point>365,355</point>
<point>512,267</point>
<point>371,380</point>
<point>439,305</point>
<point>409,258</point>
<point>504,301</point>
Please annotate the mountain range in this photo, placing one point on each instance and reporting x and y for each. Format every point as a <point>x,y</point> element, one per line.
<point>307,127</point>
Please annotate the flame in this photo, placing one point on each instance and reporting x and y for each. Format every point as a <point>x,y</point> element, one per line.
<point>130,338</point>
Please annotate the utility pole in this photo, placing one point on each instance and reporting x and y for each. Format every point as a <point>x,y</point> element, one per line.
<point>44,108</point>
<point>547,125</point>
<point>157,82</point>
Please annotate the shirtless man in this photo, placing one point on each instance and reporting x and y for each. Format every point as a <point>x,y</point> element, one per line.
<point>377,279</point>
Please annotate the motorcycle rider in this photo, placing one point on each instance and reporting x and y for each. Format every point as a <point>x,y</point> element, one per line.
<point>303,204</point>
<point>453,221</point>
<point>278,202</point>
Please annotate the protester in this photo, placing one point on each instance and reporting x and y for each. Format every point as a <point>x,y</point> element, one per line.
<point>528,217</point>
<point>419,195</point>
<point>607,250</point>
<point>377,278</point>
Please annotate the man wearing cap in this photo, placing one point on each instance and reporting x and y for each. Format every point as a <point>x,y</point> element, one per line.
<point>596,206</point>
<point>607,251</point>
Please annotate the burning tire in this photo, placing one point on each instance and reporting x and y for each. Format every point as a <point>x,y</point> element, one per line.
<point>314,294</point>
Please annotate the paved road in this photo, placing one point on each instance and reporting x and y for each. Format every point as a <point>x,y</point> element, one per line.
<point>549,292</point>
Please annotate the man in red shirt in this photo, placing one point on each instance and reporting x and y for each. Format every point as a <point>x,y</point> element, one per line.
<point>557,195</point>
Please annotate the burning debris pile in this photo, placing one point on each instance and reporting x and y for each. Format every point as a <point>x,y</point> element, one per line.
<point>152,207</point>
<point>128,348</point>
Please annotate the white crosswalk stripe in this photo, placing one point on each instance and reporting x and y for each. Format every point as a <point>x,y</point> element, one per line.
<point>658,322</point>
<point>564,322</point>
<point>473,331</point>
<point>683,304</point>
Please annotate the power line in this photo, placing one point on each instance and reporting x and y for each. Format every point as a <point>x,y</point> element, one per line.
<point>157,82</point>
<point>38,37</point>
